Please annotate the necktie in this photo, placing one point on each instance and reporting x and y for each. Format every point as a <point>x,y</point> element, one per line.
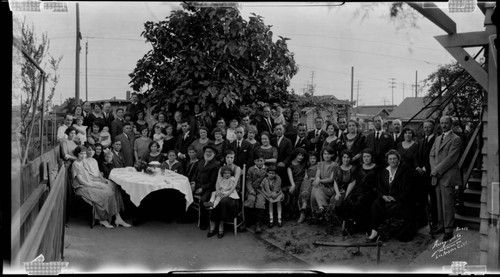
<point>239,145</point>
<point>298,141</point>
<point>269,124</point>
<point>317,133</point>
<point>442,137</point>
<point>378,135</point>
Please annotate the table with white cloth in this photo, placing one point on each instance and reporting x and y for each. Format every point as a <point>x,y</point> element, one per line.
<point>139,184</point>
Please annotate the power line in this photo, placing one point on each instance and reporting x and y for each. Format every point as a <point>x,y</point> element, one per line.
<point>115,38</point>
<point>363,52</point>
<point>358,39</point>
<point>341,73</point>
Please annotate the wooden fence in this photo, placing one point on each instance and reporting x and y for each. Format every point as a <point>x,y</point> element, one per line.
<point>38,225</point>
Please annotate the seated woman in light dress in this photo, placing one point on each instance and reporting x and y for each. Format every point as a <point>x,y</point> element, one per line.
<point>99,192</point>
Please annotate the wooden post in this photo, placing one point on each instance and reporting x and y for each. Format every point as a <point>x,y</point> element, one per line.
<point>77,57</point>
<point>15,183</point>
<point>42,122</point>
<point>492,156</point>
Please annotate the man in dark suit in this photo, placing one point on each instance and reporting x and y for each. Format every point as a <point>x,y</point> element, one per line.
<point>118,160</point>
<point>266,123</point>
<point>342,122</point>
<point>300,139</point>
<point>285,148</point>
<point>205,178</point>
<point>107,112</point>
<point>127,139</point>
<point>283,144</point>
<point>397,135</point>
<point>135,107</point>
<point>379,142</point>
<point>117,124</point>
<point>242,148</point>
<point>445,174</point>
<point>427,194</point>
<point>184,140</point>
<point>86,111</point>
<point>317,136</point>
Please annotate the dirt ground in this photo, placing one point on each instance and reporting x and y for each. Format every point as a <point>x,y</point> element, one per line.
<point>298,240</point>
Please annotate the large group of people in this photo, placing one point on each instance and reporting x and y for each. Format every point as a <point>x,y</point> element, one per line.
<point>292,174</point>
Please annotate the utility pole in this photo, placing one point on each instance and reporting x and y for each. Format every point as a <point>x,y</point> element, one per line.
<point>86,75</point>
<point>77,61</point>
<point>392,86</point>
<point>352,83</point>
<point>312,83</point>
<point>416,83</point>
<point>357,97</point>
<point>403,91</point>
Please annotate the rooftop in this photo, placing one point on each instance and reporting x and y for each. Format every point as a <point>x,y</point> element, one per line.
<point>409,107</point>
<point>373,110</point>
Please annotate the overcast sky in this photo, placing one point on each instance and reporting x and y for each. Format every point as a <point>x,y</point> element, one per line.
<point>326,40</point>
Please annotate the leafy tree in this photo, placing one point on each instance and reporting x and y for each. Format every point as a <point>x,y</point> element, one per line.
<point>32,82</point>
<point>466,103</point>
<point>213,57</point>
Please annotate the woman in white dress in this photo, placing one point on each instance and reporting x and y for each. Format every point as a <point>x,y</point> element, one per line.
<point>99,192</point>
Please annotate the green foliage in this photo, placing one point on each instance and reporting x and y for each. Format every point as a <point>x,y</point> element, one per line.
<point>467,101</point>
<point>213,57</point>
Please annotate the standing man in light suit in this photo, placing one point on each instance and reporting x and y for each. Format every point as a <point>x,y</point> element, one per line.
<point>445,174</point>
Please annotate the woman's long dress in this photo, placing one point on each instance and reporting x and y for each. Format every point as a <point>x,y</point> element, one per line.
<point>359,201</point>
<point>106,202</point>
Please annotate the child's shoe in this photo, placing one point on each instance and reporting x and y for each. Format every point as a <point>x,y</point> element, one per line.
<point>279,223</point>
<point>271,224</point>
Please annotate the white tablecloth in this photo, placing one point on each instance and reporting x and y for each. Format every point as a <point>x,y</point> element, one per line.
<point>139,184</point>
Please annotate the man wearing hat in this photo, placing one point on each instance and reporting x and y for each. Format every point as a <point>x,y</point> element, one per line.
<point>205,178</point>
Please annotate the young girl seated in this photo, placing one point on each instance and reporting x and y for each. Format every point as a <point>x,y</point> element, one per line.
<point>105,137</point>
<point>271,188</point>
<point>172,163</point>
<point>107,165</point>
<point>80,129</point>
<point>225,185</point>
<point>154,154</point>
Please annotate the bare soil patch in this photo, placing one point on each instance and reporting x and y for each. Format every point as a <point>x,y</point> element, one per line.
<point>298,240</point>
